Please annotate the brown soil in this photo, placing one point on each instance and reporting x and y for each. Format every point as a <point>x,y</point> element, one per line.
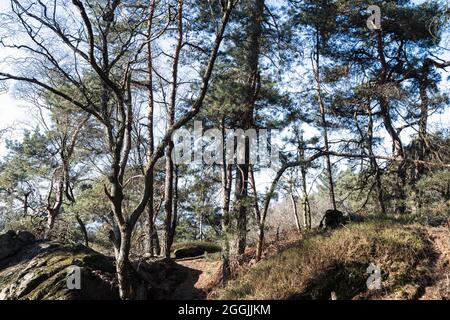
<point>203,276</point>
<point>439,288</point>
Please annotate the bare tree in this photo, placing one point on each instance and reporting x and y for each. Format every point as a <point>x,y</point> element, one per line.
<point>105,45</point>
<point>324,123</point>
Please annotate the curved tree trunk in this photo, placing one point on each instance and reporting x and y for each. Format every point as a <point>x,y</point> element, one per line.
<point>388,124</point>
<point>83,230</point>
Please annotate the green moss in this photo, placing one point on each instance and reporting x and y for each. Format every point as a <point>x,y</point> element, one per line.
<point>43,276</point>
<point>194,248</point>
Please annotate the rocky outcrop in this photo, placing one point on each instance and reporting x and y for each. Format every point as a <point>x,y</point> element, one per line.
<point>35,270</point>
<point>39,270</point>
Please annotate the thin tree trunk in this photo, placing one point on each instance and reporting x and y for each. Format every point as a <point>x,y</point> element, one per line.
<point>396,141</point>
<point>262,220</point>
<point>168,191</point>
<point>25,203</point>
<point>261,223</point>
<point>295,212</point>
<point>329,169</point>
<point>306,207</point>
<point>374,164</point>
<point>54,209</point>
<point>240,208</point>
<point>173,227</point>
<point>423,147</point>
<point>168,202</point>
<point>83,230</point>
<point>226,219</point>
<point>151,141</point>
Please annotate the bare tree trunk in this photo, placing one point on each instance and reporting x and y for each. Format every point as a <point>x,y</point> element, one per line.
<point>156,242</point>
<point>226,219</point>
<point>295,212</point>
<point>262,219</point>
<point>423,151</point>
<point>168,202</point>
<point>261,223</point>
<point>306,207</point>
<point>387,120</point>
<point>25,203</point>
<point>54,209</point>
<point>151,230</point>
<point>168,191</point>
<point>261,242</point>
<point>240,209</point>
<point>329,169</point>
<point>375,166</point>
<point>200,227</point>
<point>51,218</point>
<point>151,141</point>
<point>125,271</point>
<point>173,227</point>
<point>83,230</point>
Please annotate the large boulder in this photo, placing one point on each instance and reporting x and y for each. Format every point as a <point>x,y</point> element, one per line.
<point>194,249</point>
<point>39,270</point>
<point>332,219</point>
<point>35,270</point>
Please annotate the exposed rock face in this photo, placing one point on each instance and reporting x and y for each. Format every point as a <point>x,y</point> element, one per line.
<point>39,270</point>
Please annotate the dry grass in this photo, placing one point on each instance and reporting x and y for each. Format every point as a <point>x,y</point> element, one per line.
<point>337,261</point>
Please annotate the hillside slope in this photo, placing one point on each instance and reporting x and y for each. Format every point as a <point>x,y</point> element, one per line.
<point>412,265</point>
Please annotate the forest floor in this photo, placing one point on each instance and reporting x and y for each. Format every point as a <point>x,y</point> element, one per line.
<point>205,272</point>
<point>204,275</point>
<point>440,274</point>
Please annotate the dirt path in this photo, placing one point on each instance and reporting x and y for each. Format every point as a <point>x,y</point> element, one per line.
<point>203,275</point>
<point>440,287</point>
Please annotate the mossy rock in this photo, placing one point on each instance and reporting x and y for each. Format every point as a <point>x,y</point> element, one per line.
<point>39,271</point>
<point>194,249</point>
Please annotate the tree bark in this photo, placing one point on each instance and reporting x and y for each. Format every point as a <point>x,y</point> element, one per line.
<point>306,207</point>
<point>375,166</point>
<point>173,227</point>
<point>387,121</point>
<point>125,271</point>
<point>168,202</point>
<point>295,212</point>
<point>226,219</point>
<point>83,230</point>
<point>328,166</point>
<point>151,249</point>
<point>168,191</point>
<point>237,243</point>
